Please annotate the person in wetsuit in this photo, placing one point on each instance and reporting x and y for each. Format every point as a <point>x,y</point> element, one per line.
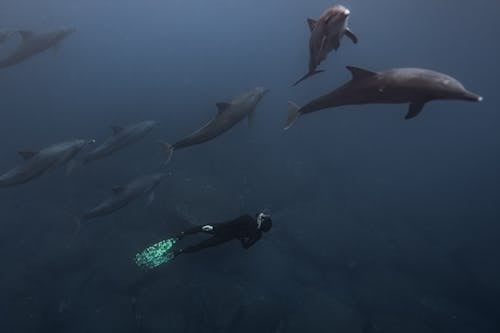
<point>247,229</point>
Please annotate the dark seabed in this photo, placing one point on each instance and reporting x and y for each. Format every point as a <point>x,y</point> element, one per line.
<point>380,224</point>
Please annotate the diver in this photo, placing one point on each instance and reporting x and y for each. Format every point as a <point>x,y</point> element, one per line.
<point>247,229</point>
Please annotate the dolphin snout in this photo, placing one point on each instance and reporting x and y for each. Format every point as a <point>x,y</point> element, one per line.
<point>469,96</point>
<point>347,12</point>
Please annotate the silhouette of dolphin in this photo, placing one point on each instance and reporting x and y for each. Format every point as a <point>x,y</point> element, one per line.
<point>123,136</point>
<point>37,163</point>
<point>401,85</point>
<point>326,34</point>
<point>124,195</point>
<point>228,115</point>
<point>33,43</point>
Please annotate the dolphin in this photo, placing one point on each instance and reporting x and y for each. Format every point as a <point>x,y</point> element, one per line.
<point>37,163</point>
<point>228,115</point>
<point>326,33</point>
<point>33,43</point>
<point>121,138</point>
<point>395,86</point>
<point>123,195</point>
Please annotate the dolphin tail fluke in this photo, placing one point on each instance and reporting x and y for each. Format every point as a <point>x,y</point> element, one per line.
<point>308,75</point>
<point>293,114</point>
<point>168,150</point>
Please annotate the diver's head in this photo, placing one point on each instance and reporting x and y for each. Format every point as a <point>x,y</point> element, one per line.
<point>264,222</point>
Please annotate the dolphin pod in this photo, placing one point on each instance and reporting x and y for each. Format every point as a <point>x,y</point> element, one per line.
<point>415,86</point>
<point>228,115</point>
<point>326,34</point>
<point>33,43</point>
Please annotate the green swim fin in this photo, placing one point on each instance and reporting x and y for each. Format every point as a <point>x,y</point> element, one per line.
<point>156,254</point>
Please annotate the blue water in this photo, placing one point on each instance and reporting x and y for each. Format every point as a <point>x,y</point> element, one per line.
<point>380,224</point>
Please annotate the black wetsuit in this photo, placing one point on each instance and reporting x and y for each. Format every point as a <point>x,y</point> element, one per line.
<point>243,228</point>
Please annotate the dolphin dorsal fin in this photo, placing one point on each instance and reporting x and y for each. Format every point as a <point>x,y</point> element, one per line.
<point>360,73</point>
<point>311,23</point>
<point>222,107</point>
<point>118,189</point>
<point>27,154</point>
<point>26,34</point>
<point>116,129</point>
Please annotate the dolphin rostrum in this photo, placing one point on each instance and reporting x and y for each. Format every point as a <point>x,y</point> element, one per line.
<point>123,195</point>
<point>37,163</point>
<point>228,115</point>
<point>395,86</point>
<point>326,33</point>
<point>33,43</point>
<point>121,138</point>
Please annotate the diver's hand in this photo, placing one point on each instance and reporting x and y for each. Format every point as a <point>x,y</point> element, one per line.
<point>207,228</point>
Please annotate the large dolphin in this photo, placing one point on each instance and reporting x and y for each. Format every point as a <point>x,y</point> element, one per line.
<point>123,195</point>
<point>33,43</point>
<point>395,86</point>
<point>228,115</point>
<point>121,138</point>
<point>37,163</point>
<point>326,33</point>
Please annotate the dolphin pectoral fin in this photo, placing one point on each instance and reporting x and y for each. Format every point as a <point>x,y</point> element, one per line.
<point>293,114</point>
<point>116,129</point>
<point>118,189</point>
<point>414,109</point>
<point>168,150</point>
<point>150,198</point>
<point>26,34</point>
<point>349,34</point>
<point>307,75</point>
<point>222,107</point>
<point>359,73</point>
<point>322,48</point>
<point>72,166</point>
<point>311,23</point>
<point>27,154</point>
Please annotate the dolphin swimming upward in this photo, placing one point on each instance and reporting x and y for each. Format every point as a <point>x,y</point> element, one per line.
<point>122,137</point>
<point>326,34</point>
<point>37,163</point>
<point>33,43</point>
<point>228,115</point>
<point>123,195</point>
<point>402,85</point>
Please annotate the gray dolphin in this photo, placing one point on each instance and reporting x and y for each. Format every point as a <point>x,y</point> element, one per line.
<point>123,195</point>
<point>33,43</point>
<point>395,86</point>
<point>228,115</point>
<point>121,138</point>
<point>326,33</point>
<point>37,163</point>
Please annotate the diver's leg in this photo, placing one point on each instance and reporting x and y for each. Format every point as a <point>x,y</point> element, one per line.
<point>196,229</point>
<point>212,241</point>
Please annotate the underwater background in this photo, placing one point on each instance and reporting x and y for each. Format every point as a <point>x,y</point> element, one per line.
<point>380,224</point>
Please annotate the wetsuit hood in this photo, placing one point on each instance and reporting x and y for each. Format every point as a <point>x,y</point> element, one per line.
<point>264,222</point>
